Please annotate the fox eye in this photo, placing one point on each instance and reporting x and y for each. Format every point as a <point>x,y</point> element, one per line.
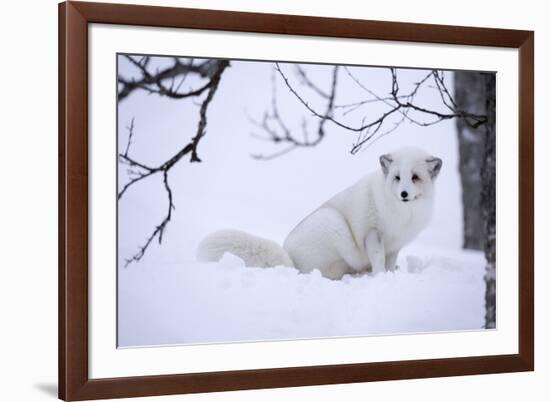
<point>397,178</point>
<point>415,177</point>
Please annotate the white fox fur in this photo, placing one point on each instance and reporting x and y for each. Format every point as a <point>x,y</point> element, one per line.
<point>253,250</point>
<point>360,229</point>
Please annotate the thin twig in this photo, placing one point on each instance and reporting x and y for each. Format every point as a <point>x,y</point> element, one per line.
<point>144,171</point>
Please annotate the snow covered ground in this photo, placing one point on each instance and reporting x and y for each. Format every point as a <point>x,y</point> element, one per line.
<point>190,302</point>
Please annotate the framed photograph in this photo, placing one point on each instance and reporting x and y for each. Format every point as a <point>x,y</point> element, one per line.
<point>260,200</point>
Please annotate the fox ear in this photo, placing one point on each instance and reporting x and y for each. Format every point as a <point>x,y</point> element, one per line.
<point>434,166</point>
<point>385,162</point>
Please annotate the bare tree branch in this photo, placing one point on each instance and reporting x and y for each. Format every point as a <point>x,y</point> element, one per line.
<point>159,229</point>
<point>472,119</point>
<point>369,130</point>
<point>444,93</point>
<point>306,81</point>
<point>130,135</point>
<point>410,97</point>
<point>282,133</point>
<point>140,171</point>
<point>153,82</point>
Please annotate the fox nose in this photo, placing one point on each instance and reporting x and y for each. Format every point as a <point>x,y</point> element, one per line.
<point>404,194</point>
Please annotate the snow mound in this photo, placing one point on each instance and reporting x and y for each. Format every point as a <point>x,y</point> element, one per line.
<point>191,302</point>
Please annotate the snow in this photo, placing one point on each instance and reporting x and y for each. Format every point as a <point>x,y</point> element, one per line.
<point>189,302</point>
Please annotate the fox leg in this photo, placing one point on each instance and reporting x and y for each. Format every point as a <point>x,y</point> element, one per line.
<point>375,252</point>
<point>391,260</point>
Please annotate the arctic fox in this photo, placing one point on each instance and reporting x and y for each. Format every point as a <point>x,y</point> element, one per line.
<point>360,229</point>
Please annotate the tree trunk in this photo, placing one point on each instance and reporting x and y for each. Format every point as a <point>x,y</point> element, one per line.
<point>488,202</point>
<point>475,93</point>
<point>470,96</point>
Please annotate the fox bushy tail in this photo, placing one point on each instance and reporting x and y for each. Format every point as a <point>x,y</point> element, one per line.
<point>253,250</point>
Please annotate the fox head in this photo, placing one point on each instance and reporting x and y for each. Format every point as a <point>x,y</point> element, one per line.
<point>410,173</point>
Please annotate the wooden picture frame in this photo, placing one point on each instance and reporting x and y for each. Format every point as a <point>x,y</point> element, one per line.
<point>74,381</point>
